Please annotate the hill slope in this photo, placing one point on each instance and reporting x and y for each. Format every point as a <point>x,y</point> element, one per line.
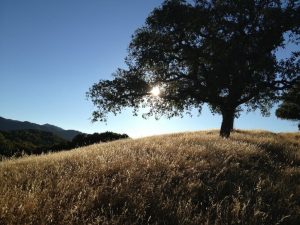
<point>16,142</point>
<point>9,125</point>
<point>188,178</point>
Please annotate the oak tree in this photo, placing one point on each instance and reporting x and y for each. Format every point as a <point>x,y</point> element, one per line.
<point>289,109</point>
<point>219,52</point>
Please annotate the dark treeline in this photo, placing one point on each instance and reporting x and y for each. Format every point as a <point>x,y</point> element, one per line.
<point>88,139</point>
<point>19,142</point>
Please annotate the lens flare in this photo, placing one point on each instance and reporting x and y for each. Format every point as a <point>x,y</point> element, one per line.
<point>155,91</point>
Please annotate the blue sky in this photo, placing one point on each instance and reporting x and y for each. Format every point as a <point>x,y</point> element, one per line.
<point>52,51</point>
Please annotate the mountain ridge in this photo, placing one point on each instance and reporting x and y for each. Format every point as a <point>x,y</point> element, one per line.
<point>10,125</point>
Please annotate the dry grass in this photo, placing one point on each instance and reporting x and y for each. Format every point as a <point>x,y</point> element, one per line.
<point>187,178</point>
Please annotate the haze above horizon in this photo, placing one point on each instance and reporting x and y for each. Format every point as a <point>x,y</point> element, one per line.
<point>51,52</point>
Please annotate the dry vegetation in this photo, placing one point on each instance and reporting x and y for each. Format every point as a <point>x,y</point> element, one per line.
<point>188,178</point>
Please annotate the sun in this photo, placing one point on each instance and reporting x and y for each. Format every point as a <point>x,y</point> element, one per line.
<point>155,91</point>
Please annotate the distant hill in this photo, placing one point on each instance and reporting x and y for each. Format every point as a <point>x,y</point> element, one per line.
<point>30,142</point>
<point>10,125</point>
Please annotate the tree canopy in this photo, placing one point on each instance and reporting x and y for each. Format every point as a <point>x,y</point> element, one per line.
<point>222,53</point>
<point>88,139</point>
<point>290,107</point>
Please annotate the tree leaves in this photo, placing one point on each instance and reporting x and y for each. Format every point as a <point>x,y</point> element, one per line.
<point>216,52</point>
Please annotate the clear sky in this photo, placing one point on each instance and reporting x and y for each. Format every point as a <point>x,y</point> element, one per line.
<point>52,51</point>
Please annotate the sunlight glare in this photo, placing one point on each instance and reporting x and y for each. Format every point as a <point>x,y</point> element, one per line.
<point>155,91</point>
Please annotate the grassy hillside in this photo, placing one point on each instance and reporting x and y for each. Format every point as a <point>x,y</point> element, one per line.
<point>187,178</point>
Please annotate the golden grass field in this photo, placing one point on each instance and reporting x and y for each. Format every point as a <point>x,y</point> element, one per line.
<point>187,178</point>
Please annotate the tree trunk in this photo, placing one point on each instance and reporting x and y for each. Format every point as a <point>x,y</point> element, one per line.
<point>232,123</point>
<point>227,123</point>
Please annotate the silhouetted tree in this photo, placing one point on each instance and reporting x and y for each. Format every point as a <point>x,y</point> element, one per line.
<point>220,52</point>
<point>88,139</point>
<point>290,107</point>
<point>79,140</point>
